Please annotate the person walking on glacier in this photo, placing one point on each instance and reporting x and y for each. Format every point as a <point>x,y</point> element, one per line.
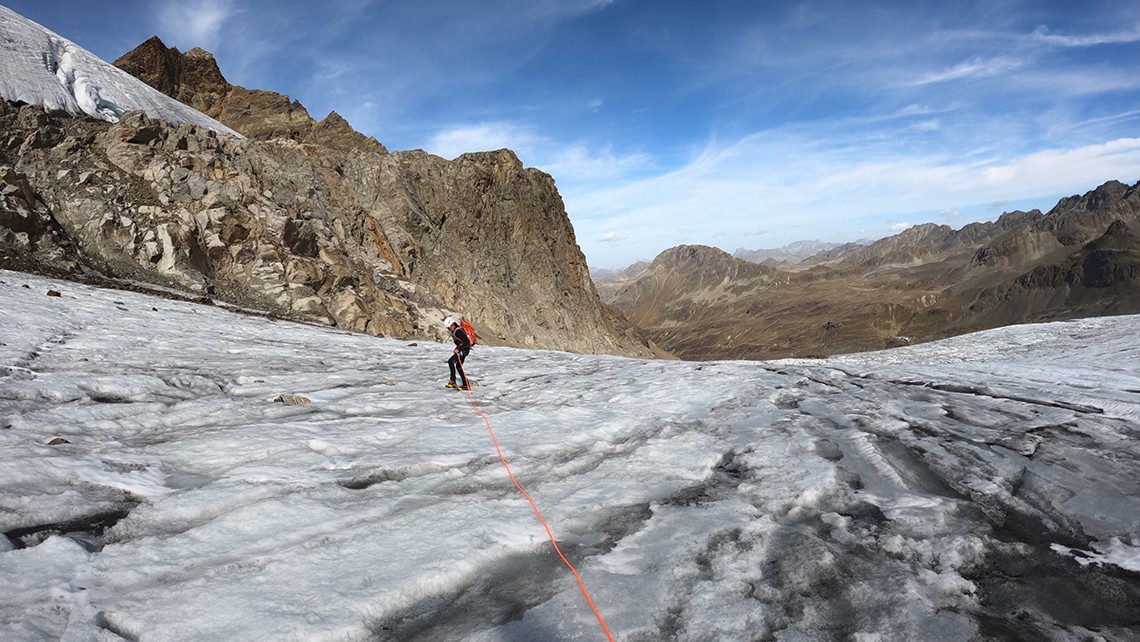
<point>464,338</point>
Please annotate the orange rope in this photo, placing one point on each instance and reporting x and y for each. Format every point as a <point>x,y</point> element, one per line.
<point>545,526</point>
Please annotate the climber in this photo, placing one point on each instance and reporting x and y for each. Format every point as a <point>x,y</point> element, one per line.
<point>463,345</point>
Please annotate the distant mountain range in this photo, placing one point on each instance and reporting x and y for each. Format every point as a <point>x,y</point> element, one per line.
<point>792,253</point>
<point>930,281</point>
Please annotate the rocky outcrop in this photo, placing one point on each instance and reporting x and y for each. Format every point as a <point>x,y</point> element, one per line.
<point>29,235</point>
<point>929,242</point>
<point>1074,221</point>
<point>1113,260</point>
<point>1102,277</point>
<point>194,79</point>
<point>365,240</point>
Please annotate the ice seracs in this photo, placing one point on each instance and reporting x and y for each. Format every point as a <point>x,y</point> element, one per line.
<point>40,67</point>
<point>76,82</point>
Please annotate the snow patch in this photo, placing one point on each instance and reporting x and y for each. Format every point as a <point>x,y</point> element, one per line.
<point>1115,552</point>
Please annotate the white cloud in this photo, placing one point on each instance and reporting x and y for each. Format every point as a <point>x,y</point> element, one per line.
<point>973,68</point>
<point>482,137</point>
<point>1042,34</point>
<point>930,125</point>
<point>1108,120</point>
<point>899,227</point>
<point>197,23</point>
<point>569,164</point>
<point>1075,82</point>
<point>579,162</point>
<point>1117,159</point>
<point>552,10</point>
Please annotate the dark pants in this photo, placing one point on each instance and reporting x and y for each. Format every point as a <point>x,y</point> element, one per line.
<point>456,363</point>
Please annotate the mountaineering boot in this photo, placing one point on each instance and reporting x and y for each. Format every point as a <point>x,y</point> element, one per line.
<point>450,384</point>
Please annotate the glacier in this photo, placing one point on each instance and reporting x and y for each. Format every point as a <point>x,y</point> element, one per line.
<point>40,67</point>
<point>983,487</point>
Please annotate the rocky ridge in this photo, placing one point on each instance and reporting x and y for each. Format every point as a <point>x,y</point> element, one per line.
<point>368,241</point>
<point>1101,277</point>
<point>928,282</point>
<point>194,78</point>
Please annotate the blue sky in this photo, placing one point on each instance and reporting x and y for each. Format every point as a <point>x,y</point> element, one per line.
<point>735,123</point>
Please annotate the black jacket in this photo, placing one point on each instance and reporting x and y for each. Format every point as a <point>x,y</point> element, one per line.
<point>460,338</point>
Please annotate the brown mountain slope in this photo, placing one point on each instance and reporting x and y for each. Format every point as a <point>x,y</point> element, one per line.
<point>1102,277</point>
<point>928,282</point>
<point>1074,221</point>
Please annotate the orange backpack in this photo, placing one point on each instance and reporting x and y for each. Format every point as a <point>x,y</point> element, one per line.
<point>468,330</point>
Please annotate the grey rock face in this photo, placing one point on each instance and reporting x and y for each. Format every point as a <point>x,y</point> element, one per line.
<point>368,241</point>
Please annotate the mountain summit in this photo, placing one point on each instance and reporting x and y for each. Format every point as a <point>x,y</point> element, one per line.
<point>195,79</point>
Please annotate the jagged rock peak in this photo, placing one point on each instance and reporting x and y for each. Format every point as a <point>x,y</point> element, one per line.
<point>335,120</point>
<point>198,52</point>
<point>1105,195</point>
<point>194,79</point>
<point>1117,234</point>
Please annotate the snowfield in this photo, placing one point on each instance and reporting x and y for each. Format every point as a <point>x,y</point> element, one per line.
<point>985,487</point>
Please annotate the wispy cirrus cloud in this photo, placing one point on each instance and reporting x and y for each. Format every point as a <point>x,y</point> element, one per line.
<point>199,23</point>
<point>571,163</point>
<point>486,136</point>
<point>1132,114</point>
<point>1044,35</point>
<point>579,162</point>
<point>546,10</point>
<point>973,68</point>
